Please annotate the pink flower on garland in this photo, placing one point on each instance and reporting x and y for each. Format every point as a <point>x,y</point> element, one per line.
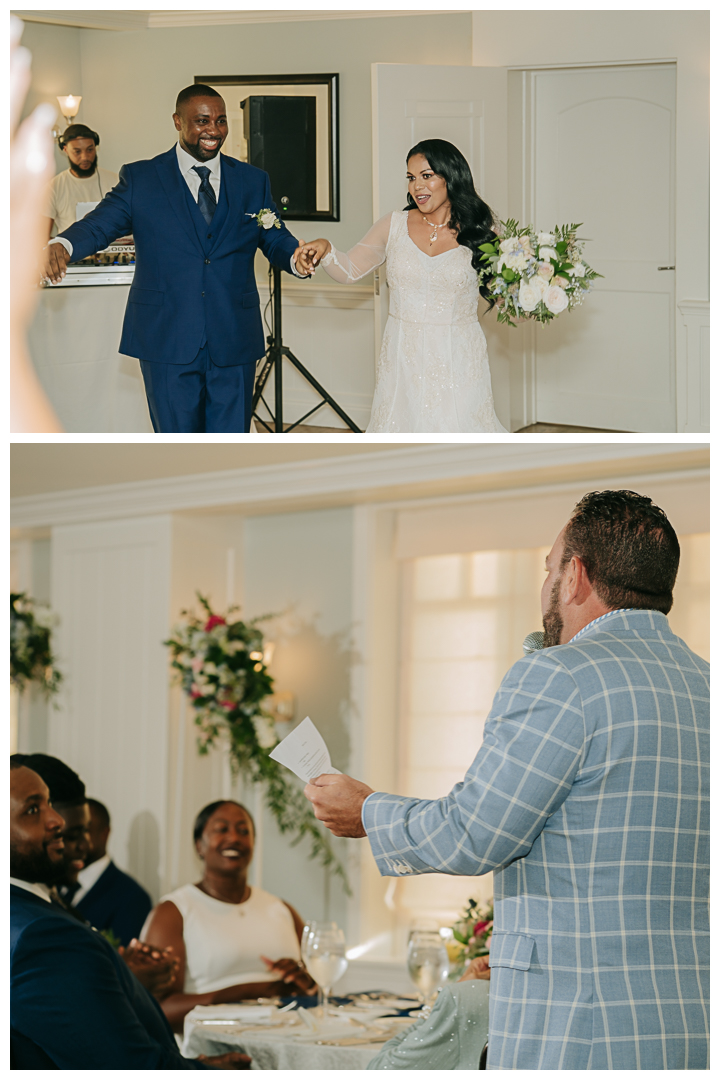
<point>214,620</point>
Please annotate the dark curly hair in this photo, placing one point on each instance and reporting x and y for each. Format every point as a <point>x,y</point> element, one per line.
<point>207,812</point>
<point>628,548</point>
<point>66,787</point>
<point>469,215</point>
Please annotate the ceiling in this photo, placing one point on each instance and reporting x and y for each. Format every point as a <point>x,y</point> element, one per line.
<point>123,19</point>
<point>39,468</point>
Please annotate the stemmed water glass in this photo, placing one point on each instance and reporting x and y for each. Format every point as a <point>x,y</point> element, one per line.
<point>325,958</point>
<point>428,963</point>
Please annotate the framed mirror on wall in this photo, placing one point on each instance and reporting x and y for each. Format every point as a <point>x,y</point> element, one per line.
<point>288,126</point>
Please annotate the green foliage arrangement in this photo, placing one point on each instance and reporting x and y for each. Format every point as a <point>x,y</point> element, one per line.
<point>31,656</point>
<point>219,662</point>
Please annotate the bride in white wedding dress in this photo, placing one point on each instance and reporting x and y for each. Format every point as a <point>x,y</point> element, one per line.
<point>433,373</point>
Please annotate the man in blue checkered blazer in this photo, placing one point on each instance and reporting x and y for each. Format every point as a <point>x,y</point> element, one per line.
<point>588,799</point>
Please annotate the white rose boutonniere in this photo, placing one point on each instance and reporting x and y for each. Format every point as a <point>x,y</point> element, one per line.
<point>265,218</point>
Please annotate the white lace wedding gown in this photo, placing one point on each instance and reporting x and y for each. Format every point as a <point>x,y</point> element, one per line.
<point>433,372</point>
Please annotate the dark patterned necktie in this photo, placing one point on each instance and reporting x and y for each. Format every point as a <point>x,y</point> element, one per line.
<point>207,202</point>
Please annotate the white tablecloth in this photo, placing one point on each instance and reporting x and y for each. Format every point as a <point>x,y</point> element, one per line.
<point>289,1046</point>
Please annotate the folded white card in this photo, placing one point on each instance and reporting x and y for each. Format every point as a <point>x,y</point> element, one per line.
<point>304,752</point>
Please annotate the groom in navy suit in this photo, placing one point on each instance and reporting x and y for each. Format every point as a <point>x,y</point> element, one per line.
<point>193,313</point>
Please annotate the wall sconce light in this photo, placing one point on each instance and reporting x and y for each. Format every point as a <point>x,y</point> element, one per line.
<point>69,106</point>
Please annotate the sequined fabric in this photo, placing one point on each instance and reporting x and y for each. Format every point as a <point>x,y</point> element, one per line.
<point>432,373</point>
<point>451,1037</point>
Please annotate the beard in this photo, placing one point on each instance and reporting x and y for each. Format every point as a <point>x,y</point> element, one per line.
<point>36,866</point>
<point>552,619</point>
<point>83,173</point>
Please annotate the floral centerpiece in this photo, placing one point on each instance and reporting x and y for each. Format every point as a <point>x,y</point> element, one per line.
<point>471,936</point>
<point>219,662</point>
<point>535,275</point>
<point>31,656</point>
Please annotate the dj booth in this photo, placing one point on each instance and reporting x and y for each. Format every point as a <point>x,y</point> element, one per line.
<point>74,340</point>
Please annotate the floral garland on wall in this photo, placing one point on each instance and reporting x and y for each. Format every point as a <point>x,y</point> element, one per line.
<point>31,655</point>
<point>219,662</point>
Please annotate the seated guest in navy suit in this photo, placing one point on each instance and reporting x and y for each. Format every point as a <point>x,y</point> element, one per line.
<point>74,1004</point>
<point>108,897</point>
<point>154,967</point>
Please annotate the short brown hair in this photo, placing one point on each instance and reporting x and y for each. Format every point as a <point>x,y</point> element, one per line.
<point>628,548</point>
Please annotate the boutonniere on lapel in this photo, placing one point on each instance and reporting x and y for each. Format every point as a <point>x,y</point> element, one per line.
<point>266,218</point>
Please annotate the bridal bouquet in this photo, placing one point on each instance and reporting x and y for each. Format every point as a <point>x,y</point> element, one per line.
<point>535,275</point>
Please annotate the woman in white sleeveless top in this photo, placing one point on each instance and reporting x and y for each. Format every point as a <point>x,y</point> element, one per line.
<point>233,941</point>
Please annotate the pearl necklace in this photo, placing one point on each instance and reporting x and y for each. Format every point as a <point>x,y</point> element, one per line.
<point>434,227</point>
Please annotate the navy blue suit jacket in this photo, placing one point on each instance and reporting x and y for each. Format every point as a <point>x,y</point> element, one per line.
<point>74,1003</point>
<point>116,902</point>
<point>192,281</point>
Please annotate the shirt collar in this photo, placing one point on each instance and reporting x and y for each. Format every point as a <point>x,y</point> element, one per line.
<point>187,162</point>
<point>89,875</point>
<point>35,887</point>
<point>616,611</point>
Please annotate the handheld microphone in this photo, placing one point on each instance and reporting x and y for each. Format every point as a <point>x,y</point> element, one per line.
<point>533,642</point>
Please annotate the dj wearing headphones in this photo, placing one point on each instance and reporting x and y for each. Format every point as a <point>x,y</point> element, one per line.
<point>75,192</point>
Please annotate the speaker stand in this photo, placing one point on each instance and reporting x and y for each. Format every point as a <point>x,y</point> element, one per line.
<point>273,359</point>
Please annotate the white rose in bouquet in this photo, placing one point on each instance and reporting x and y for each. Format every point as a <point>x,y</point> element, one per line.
<point>561,281</point>
<point>532,292</point>
<point>547,238</point>
<point>545,270</point>
<point>547,253</point>
<point>578,270</point>
<point>509,243</point>
<point>555,299</point>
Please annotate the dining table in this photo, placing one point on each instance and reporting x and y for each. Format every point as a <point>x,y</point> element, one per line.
<point>346,1036</point>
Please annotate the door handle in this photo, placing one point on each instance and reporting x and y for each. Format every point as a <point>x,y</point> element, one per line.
<point>666,267</point>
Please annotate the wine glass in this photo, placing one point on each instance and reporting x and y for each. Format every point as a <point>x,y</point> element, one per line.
<point>428,963</point>
<point>308,929</point>
<point>326,960</point>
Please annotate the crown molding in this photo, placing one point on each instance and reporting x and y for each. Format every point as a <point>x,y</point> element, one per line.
<point>118,19</point>
<point>378,475</point>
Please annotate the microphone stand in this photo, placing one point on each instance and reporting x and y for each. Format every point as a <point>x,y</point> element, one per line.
<point>273,359</point>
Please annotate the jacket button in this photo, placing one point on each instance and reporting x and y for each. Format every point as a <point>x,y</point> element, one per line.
<point>207,262</point>
<point>209,236</point>
<point>202,294</point>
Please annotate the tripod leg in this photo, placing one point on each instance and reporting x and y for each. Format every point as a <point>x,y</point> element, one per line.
<point>321,390</point>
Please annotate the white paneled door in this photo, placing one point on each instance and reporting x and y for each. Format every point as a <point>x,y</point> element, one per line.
<point>592,145</point>
<point>603,152</point>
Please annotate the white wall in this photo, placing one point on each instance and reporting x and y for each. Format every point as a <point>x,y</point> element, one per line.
<point>299,567</point>
<point>56,70</point>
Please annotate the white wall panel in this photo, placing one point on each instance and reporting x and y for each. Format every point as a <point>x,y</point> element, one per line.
<point>110,589</point>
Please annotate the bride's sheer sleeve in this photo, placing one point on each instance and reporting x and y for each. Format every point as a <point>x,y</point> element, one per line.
<point>350,266</point>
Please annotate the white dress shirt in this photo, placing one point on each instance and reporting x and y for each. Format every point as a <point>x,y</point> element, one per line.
<point>34,887</point>
<point>186,164</point>
<point>88,876</point>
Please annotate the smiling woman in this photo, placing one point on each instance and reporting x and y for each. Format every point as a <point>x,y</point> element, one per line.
<point>226,933</point>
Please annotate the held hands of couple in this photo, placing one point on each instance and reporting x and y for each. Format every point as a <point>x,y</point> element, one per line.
<point>337,801</point>
<point>307,256</point>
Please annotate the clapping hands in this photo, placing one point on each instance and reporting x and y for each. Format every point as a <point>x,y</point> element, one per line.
<point>153,967</point>
<point>288,971</point>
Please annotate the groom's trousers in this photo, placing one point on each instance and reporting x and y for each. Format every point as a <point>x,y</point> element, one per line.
<point>199,397</point>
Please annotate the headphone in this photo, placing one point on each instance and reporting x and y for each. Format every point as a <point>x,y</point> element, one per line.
<point>72,133</point>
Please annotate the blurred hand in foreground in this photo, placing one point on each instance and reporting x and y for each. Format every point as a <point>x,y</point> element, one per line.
<point>31,167</point>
